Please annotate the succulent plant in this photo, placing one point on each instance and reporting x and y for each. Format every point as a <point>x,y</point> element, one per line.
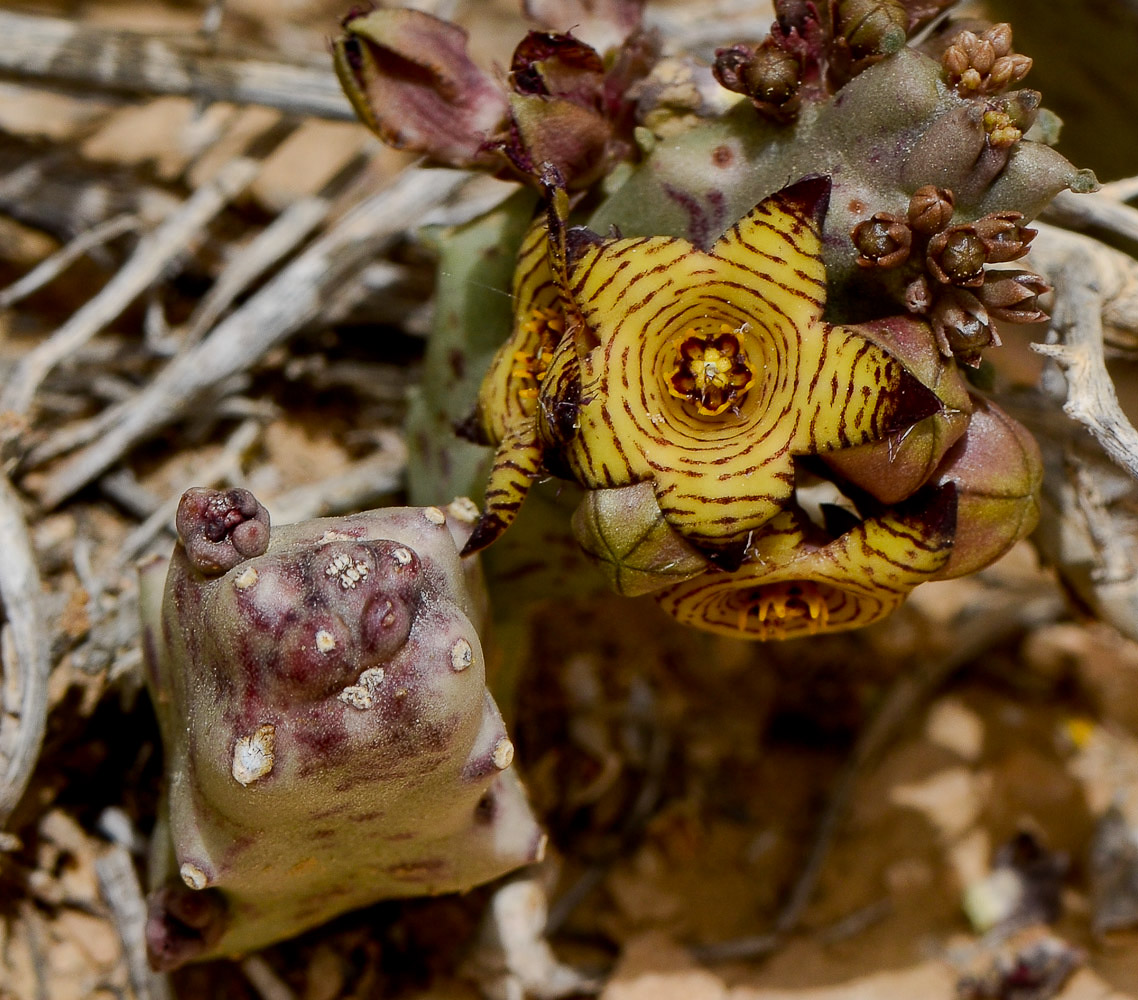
<point>699,346</point>
<point>329,737</point>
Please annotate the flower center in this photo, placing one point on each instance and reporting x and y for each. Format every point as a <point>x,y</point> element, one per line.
<point>784,607</point>
<point>543,330</point>
<point>710,370</point>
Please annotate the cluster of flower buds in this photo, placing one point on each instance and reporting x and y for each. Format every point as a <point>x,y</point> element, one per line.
<point>815,48</point>
<point>714,386</point>
<point>984,63</point>
<point>947,272</point>
<point>329,739</point>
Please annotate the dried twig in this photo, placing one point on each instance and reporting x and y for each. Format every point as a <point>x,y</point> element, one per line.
<point>153,253</point>
<point>120,888</point>
<point>65,256</point>
<point>25,652</point>
<point>1093,211</point>
<point>293,298</point>
<point>275,242</point>
<point>71,52</point>
<point>1077,269</point>
<point>223,468</point>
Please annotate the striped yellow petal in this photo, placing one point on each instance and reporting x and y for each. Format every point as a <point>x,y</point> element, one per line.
<point>713,369</point>
<point>790,586</point>
<point>508,399</point>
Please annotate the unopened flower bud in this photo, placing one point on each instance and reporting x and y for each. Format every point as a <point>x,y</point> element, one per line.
<point>1013,296</point>
<point>962,326</point>
<point>769,75</point>
<point>774,75</point>
<point>624,533</point>
<point>1009,70</point>
<point>957,256</point>
<point>882,241</point>
<point>930,209</point>
<point>999,36</point>
<point>872,27</point>
<point>997,469</point>
<point>1003,235</point>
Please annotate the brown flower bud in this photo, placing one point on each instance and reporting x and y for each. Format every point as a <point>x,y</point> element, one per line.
<point>872,27</point>
<point>409,78</point>
<point>769,75</point>
<point>999,36</point>
<point>961,326</point>
<point>955,61</point>
<point>882,241</point>
<point>930,209</point>
<point>1003,236</point>
<point>1008,71</point>
<point>957,256</point>
<point>774,75</point>
<point>1013,296</point>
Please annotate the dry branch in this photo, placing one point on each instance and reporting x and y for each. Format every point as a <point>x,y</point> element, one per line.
<point>70,52</point>
<point>152,255</point>
<point>120,887</point>
<point>293,298</point>
<point>65,256</point>
<point>1082,271</point>
<point>26,655</point>
<point>1094,211</point>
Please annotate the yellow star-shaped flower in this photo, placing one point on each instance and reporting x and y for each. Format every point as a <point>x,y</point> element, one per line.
<point>703,372</point>
<point>710,370</point>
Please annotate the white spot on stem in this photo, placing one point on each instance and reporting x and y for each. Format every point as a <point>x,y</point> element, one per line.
<point>503,753</point>
<point>463,508</point>
<point>253,755</point>
<point>371,679</point>
<point>358,697</point>
<point>434,515</point>
<point>193,876</point>
<point>246,578</point>
<point>461,655</point>
<point>347,571</point>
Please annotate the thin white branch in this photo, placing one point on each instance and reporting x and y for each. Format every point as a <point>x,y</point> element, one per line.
<point>50,268</point>
<point>71,52</point>
<point>152,255</point>
<point>1079,273</point>
<point>283,235</point>
<point>1098,211</point>
<point>293,298</point>
<point>26,661</point>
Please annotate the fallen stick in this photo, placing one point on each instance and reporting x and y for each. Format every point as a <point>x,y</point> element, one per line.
<point>293,298</point>
<point>25,654</point>
<point>1084,279</point>
<point>153,253</point>
<point>49,269</point>
<point>130,62</point>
